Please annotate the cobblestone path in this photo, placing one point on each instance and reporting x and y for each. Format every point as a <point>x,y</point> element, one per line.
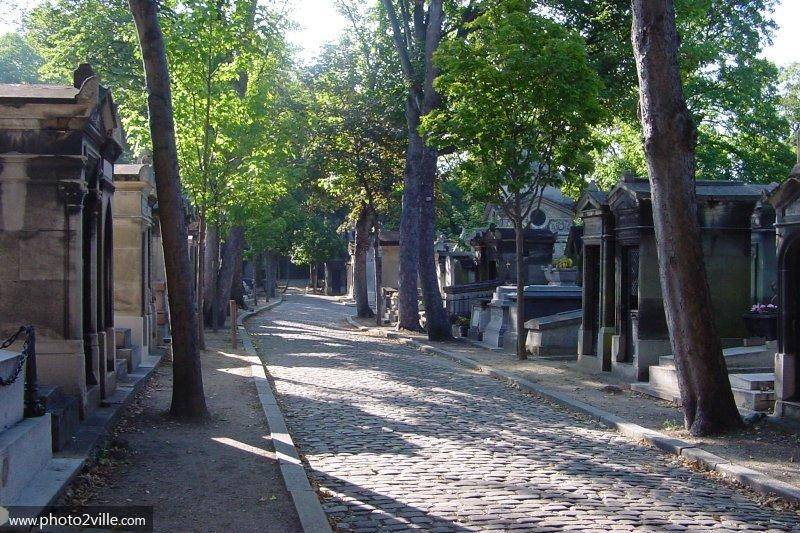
<point>400,440</point>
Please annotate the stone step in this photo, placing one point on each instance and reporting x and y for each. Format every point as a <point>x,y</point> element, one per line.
<point>754,400</point>
<point>132,356</point>
<point>44,489</point>
<point>65,415</point>
<point>747,400</point>
<point>763,381</point>
<point>26,449</point>
<point>739,357</point>
<point>122,337</point>
<point>664,377</point>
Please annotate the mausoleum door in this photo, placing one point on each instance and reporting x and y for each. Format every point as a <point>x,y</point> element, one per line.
<point>108,274</point>
<point>629,298</point>
<point>591,309</point>
<point>789,327</point>
<point>90,346</point>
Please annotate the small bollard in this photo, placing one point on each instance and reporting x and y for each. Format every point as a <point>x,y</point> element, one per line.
<point>234,327</point>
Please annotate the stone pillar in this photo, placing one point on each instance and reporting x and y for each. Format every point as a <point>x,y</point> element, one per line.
<point>607,303</point>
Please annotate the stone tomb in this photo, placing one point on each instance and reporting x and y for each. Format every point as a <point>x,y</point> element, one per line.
<point>390,264</point>
<point>135,232</point>
<point>787,361</point>
<point>58,145</point>
<point>539,301</point>
<point>597,323</point>
<point>554,212</point>
<point>640,330</point>
<point>495,254</point>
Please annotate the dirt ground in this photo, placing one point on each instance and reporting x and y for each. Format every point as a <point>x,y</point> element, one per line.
<point>766,447</point>
<point>220,475</point>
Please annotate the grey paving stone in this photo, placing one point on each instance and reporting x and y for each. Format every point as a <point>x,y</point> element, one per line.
<point>387,428</point>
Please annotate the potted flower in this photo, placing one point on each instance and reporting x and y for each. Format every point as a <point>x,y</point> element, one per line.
<point>561,272</point>
<point>762,321</point>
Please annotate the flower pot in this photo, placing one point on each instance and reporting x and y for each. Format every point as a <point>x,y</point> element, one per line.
<point>561,276</point>
<point>762,325</point>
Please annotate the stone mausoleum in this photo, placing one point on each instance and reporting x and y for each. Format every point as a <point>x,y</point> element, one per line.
<point>621,225</point>
<point>553,212</point>
<point>787,361</point>
<point>58,145</point>
<point>139,275</point>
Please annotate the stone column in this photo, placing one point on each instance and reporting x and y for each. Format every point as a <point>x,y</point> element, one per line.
<point>607,302</point>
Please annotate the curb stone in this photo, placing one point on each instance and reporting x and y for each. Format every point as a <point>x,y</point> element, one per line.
<point>750,478</point>
<point>309,509</point>
<point>266,307</point>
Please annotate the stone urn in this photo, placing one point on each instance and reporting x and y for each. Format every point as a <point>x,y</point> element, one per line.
<point>561,276</point>
<point>762,325</point>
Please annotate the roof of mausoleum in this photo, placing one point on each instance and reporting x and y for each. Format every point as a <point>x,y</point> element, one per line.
<point>45,93</point>
<point>509,234</point>
<point>51,119</point>
<point>788,191</point>
<point>639,189</point>
<point>592,198</point>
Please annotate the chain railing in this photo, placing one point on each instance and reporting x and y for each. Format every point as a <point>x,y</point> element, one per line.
<point>26,359</point>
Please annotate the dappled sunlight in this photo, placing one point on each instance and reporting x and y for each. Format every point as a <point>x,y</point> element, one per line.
<point>241,371</point>
<point>244,358</point>
<point>379,422</point>
<point>242,446</point>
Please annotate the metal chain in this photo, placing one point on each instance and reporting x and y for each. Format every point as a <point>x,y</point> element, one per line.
<point>5,382</point>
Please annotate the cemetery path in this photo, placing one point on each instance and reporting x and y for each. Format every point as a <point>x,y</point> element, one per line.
<point>217,476</point>
<point>397,439</point>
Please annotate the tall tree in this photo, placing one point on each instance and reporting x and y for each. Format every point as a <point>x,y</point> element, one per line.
<point>358,133</point>
<point>417,29</point>
<point>188,399</point>
<point>669,141</point>
<point>730,89</point>
<point>520,99</point>
<point>790,102</point>
<point>19,62</point>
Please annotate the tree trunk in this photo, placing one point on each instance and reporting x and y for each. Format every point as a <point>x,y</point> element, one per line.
<point>520,257</point>
<point>360,294</point>
<point>237,288</point>
<point>436,322</point>
<point>670,138</point>
<point>188,399</point>
<point>231,255</point>
<point>407,296</point>
<point>268,274</point>
<point>210,272</point>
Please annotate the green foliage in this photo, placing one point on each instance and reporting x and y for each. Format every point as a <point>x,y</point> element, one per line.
<point>66,33</point>
<point>316,241</point>
<point>619,149</point>
<point>520,98</point>
<point>19,62</point>
<point>563,263</point>
<point>239,107</point>
<point>456,212</point>
<point>790,99</point>
<point>729,88</point>
<point>357,142</point>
